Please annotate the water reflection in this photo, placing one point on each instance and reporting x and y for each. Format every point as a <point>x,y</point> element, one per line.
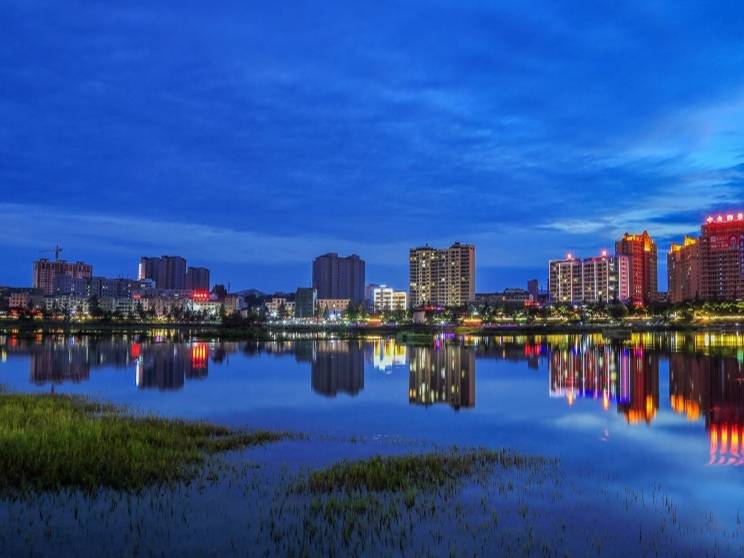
<point>711,387</point>
<point>706,371</point>
<point>623,376</point>
<point>444,375</point>
<point>338,367</point>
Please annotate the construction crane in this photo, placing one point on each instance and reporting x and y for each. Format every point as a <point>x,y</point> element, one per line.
<point>57,250</point>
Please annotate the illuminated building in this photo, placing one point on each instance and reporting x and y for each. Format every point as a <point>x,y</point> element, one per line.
<point>642,255</point>
<point>46,271</point>
<point>442,277</point>
<point>333,306</point>
<point>104,287</point>
<point>337,277</point>
<point>385,299</point>
<point>280,307</point>
<point>442,376</point>
<point>599,279</point>
<point>197,279</point>
<point>565,280</point>
<point>202,303</point>
<point>24,299</point>
<point>683,270</point>
<point>606,278</point>
<point>722,257</point>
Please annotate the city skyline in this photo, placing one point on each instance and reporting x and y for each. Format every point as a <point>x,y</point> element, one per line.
<point>208,135</point>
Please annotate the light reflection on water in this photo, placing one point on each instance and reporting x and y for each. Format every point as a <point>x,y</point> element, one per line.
<point>664,382</point>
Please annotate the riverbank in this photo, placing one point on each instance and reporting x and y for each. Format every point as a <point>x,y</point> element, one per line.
<point>406,333</point>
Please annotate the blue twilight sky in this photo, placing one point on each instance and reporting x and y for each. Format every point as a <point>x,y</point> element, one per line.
<point>250,136</point>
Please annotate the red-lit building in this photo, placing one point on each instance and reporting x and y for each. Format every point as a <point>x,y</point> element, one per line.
<point>722,257</point>
<point>642,255</point>
<point>711,267</point>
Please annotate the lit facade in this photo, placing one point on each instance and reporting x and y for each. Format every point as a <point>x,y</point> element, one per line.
<point>336,306</point>
<point>386,299</point>
<point>442,277</point>
<point>683,271</point>
<point>600,279</point>
<point>642,255</point>
<point>722,257</point>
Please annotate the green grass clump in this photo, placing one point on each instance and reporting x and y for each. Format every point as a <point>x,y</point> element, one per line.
<point>424,472</point>
<point>50,442</point>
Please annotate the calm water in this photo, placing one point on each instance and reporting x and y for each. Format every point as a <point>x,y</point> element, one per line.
<point>660,410</point>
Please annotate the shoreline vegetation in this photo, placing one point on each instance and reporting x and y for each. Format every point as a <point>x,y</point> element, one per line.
<point>52,442</point>
<point>407,333</point>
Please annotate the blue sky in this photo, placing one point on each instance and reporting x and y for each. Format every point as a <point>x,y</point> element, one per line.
<point>252,136</point>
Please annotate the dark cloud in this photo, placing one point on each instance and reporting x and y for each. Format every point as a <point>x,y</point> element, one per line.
<point>530,128</point>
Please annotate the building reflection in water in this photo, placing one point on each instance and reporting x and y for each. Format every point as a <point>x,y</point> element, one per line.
<point>442,376</point>
<point>711,387</point>
<point>387,354</point>
<point>164,366</point>
<point>623,376</point>
<point>167,366</point>
<point>337,367</point>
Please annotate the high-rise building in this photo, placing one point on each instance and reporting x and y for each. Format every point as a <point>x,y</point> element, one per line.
<point>168,272</point>
<point>422,262</point>
<point>45,272</point>
<point>642,254</point>
<point>603,278</point>
<point>722,257</point>
<point>683,271</point>
<point>148,268</point>
<point>565,280</point>
<point>442,277</point>
<point>197,279</point>
<point>337,277</point>
<point>533,287</point>
<point>606,278</point>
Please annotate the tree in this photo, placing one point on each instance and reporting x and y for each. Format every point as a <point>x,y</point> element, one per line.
<point>219,291</point>
<point>617,311</point>
<point>94,307</point>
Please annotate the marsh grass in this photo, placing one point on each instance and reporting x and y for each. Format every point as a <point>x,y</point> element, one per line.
<point>427,472</point>
<point>381,500</point>
<point>51,442</point>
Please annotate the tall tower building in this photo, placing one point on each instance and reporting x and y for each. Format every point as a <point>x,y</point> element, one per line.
<point>442,277</point>
<point>683,271</point>
<point>148,268</point>
<point>566,280</point>
<point>603,278</point>
<point>168,272</point>
<point>642,254</point>
<point>722,257</point>
<point>197,279</point>
<point>337,277</point>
